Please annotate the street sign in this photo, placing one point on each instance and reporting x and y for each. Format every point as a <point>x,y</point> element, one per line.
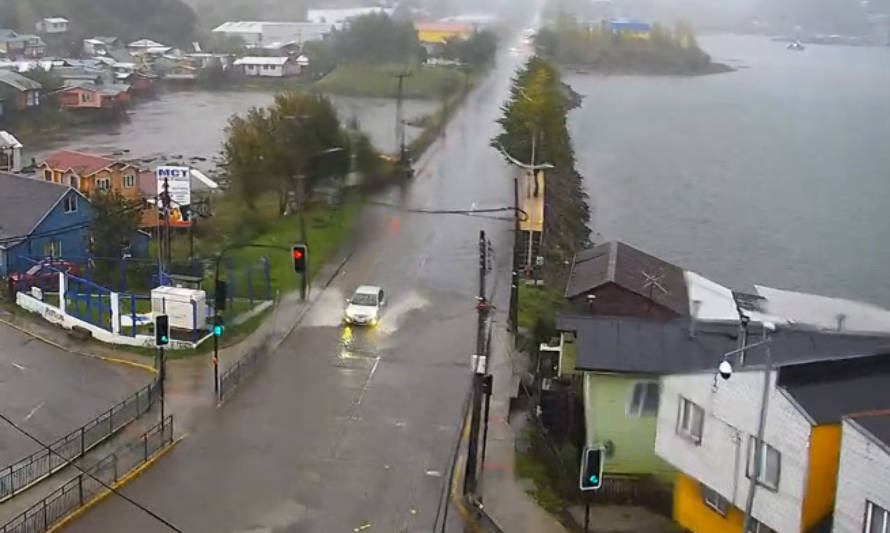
<point>592,469</point>
<point>180,186</point>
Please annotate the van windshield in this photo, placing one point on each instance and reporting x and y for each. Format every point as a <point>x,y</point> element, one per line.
<point>364,299</point>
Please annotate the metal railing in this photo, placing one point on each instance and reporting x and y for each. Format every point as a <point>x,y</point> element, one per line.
<point>241,369</point>
<point>82,489</point>
<point>41,464</point>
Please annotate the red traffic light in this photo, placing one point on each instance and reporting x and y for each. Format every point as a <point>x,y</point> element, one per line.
<point>298,254</point>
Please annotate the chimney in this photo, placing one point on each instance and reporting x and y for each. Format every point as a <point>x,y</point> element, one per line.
<point>693,317</point>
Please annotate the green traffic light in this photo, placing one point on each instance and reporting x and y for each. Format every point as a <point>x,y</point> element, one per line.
<point>217,330</point>
<point>593,479</point>
<point>164,338</point>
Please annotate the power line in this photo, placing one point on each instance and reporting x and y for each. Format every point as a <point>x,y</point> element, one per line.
<point>146,510</point>
<point>467,212</point>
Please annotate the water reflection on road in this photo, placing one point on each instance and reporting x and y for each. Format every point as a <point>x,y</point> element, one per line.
<point>192,124</point>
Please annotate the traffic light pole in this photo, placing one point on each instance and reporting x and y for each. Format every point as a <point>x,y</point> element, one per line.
<point>215,362</point>
<point>162,375</point>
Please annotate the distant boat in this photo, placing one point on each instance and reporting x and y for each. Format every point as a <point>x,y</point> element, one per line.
<point>796,45</point>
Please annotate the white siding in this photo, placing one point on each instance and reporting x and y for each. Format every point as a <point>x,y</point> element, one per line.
<point>731,410</point>
<point>863,474</point>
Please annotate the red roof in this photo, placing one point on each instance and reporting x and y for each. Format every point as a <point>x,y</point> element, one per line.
<point>82,163</point>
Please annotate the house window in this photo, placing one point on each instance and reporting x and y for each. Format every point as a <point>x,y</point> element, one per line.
<point>768,475</point>
<point>877,519</point>
<point>32,98</point>
<point>103,184</point>
<point>714,500</point>
<point>129,181</point>
<point>52,249</point>
<point>759,527</point>
<point>74,182</point>
<point>71,203</point>
<point>690,420</point>
<point>643,399</point>
<point>48,175</point>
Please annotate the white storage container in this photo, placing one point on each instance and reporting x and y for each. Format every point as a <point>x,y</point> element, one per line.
<point>185,307</point>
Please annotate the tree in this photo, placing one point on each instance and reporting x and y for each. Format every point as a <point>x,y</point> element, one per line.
<point>269,150</point>
<point>115,220</point>
<point>377,38</point>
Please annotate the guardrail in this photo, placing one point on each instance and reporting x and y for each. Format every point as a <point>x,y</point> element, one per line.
<point>82,489</point>
<point>41,464</point>
<point>241,369</point>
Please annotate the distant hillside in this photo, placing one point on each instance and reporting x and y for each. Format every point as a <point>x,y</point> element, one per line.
<point>168,21</point>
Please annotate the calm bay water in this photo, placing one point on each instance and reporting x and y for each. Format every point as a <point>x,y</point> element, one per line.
<point>192,123</point>
<point>777,174</point>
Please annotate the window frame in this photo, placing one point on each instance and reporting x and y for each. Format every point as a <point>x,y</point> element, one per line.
<point>639,410</point>
<point>103,184</point>
<point>688,433</point>
<point>70,204</point>
<point>752,442</point>
<point>870,513</point>
<point>129,181</point>
<point>47,175</point>
<point>756,526</point>
<point>721,506</point>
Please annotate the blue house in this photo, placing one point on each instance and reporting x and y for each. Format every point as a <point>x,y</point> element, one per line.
<point>40,219</point>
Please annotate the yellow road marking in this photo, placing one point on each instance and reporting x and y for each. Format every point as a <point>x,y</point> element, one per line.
<point>119,483</point>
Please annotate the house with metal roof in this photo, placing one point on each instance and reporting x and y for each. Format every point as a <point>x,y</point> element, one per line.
<point>89,95</point>
<point>19,92</point>
<point>706,428</point>
<point>40,219</point>
<point>268,67</point>
<point>20,45</point>
<point>10,153</point>
<point>52,25</point>
<point>616,279</point>
<point>261,33</point>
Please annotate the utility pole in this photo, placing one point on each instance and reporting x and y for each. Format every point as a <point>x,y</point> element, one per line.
<point>758,440</point>
<point>166,199</point>
<point>404,167</point>
<point>301,186</point>
<point>479,371</point>
<point>514,283</point>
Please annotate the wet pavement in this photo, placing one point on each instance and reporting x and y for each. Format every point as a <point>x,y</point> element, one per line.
<point>50,392</point>
<point>350,429</point>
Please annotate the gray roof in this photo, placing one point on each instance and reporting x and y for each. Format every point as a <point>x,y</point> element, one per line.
<point>829,390</point>
<point>878,425</point>
<point>630,268</point>
<point>625,344</point>
<point>24,202</point>
<point>18,81</point>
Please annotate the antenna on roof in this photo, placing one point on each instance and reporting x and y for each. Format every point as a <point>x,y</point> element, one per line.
<point>654,282</point>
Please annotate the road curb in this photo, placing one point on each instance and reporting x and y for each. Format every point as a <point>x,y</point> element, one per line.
<point>65,349</point>
<point>129,476</point>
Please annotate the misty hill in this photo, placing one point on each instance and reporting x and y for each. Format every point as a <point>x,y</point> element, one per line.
<point>167,21</point>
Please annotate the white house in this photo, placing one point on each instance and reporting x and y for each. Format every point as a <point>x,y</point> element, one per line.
<point>10,153</point>
<point>864,505</point>
<point>259,33</point>
<point>340,16</point>
<point>271,67</point>
<point>706,428</point>
<point>52,25</point>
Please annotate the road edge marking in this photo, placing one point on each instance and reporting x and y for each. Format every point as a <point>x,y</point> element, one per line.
<point>54,344</point>
<point>129,476</point>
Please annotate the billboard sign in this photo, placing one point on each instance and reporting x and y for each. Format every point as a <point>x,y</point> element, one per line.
<point>179,184</point>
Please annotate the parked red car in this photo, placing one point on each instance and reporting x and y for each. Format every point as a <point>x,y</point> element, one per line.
<point>44,274</point>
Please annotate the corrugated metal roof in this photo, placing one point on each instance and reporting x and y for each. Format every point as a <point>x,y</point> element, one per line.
<point>18,81</point>
<point>623,344</point>
<point>261,60</point>
<point>631,269</point>
<point>24,202</point>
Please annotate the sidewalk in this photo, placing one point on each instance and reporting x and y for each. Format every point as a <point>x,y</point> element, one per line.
<point>503,493</point>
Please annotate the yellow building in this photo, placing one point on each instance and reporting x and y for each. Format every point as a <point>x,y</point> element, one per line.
<point>706,427</point>
<point>439,32</point>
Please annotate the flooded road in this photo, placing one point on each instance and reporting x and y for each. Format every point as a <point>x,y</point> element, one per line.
<point>192,124</point>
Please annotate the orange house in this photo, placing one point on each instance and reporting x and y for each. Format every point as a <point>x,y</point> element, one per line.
<point>92,96</point>
<point>89,172</point>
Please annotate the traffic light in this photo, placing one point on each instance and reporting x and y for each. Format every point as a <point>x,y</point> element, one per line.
<point>300,254</point>
<point>162,330</point>
<point>217,327</point>
<point>220,295</point>
<point>592,469</point>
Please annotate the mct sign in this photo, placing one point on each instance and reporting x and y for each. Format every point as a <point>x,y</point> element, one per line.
<point>178,182</point>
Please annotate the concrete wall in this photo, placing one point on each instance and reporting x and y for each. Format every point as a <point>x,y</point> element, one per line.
<point>863,475</point>
<point>606,398</point>
<point>719,460</point>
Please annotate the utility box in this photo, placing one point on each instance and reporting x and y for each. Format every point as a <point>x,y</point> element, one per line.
<point>187,308</point>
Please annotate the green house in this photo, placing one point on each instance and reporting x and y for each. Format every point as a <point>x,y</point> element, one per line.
<point>620,360</point>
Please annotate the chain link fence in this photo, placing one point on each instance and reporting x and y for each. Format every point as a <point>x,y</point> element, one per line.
<point>82,489</point>
<point>41,464</point>
<point>241,369</point>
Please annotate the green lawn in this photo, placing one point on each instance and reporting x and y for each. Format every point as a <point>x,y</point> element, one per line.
<point>430,82</point>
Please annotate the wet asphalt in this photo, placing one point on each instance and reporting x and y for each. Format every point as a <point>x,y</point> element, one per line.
<point>351,429</point>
